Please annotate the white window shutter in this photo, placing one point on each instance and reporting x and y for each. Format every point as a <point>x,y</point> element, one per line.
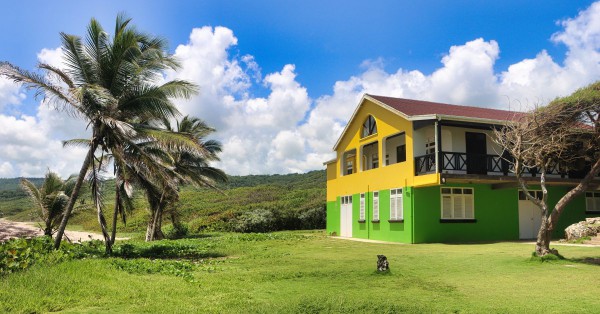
<point>362,207</point>
<point>399,206</point>
<point>469,214</point>
<point>393,207</point>
<point>446,206</point>
<point>459,208</point>
<point>375,206</point>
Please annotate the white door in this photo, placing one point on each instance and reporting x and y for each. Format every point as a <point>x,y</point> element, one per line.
<point>346,217</point>
<point>530,217</point>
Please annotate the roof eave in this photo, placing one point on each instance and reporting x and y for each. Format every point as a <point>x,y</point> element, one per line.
<point>362,100</point>
<point>330,162</point>
<point>472,119</point>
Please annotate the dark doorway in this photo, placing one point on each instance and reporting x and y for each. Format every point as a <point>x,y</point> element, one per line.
<point>476,153</point>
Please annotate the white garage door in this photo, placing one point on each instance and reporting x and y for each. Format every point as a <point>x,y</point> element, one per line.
<point>530,216</point>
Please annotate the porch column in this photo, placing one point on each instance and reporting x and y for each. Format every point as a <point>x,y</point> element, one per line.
<point>438,146</point>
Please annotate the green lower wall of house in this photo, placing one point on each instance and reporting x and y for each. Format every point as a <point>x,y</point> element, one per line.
<point>382,230</point>
<point>333,217</point>
<point>496,215</point>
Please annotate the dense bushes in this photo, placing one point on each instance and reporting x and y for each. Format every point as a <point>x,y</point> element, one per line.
<point>267,220</point>
<point>291,202</point>
<point>20,254</point>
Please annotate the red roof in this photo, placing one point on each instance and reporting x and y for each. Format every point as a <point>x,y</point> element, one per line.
<point>412,107</point>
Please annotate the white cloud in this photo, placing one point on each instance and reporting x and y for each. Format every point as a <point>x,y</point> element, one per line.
<point>28,149</point>
<point>9,93</point>
<point>286,131</point>
<point>31,145</point>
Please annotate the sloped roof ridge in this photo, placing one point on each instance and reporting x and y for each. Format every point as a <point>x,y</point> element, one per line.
<point>412,107</point>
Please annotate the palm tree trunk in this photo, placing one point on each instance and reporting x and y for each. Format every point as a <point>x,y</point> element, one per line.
<point>48,229</point>
<point>102,222</point>
<point>115,215</point>
<point>84,168</point>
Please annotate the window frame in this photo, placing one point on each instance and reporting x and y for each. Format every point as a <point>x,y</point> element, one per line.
<point>457,193</point>
<point>362,212</point>
<point>396,205</point>
<point>595,198</point>
<point>369,127</point>
<point>375,204</point>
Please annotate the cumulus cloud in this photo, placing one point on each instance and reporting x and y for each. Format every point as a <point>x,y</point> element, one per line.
<point>286,130</point>
<point>9,93</point>
<point>31,145</point>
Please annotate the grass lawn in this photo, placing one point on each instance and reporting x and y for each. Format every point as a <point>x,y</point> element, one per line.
<point>307,273</point>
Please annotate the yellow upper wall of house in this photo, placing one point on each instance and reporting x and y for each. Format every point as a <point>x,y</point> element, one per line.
<point>397,175</point>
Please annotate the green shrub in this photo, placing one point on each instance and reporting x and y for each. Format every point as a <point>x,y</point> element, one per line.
<point>313,218</point>
<point>277,219</point>
<point>182,269</point>
<point>257,220</point>
<point>20,254</point>
<point>167,249</point>
<point>176,231</point>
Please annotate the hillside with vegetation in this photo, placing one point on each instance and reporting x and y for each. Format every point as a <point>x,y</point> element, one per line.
<point>254,203</point>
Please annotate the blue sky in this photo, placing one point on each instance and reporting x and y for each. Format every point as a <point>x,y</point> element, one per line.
<point>285,72</point>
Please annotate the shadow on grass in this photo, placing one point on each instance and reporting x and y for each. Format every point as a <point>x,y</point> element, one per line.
<point>165,250</point>
<point>586,260</point>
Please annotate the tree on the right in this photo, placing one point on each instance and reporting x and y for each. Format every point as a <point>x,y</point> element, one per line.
<point>564,134</point>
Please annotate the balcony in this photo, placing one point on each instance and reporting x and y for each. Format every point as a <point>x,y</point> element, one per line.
<point>478,164</point>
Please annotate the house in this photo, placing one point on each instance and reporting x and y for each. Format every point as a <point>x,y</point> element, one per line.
<point>416,172</point>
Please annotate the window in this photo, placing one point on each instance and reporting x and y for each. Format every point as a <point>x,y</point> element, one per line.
<point>375,206</point>
<point>401,153</point>
<point>375,161</point>
<point>387,159</point>
<point>457,203</point>
<point>592,201</point>
<point>347,200</point>
<point>537,194</point>
<point>349,166</point>
<point>396,208</point>
<point>362,207</point>
<point>369,127</point>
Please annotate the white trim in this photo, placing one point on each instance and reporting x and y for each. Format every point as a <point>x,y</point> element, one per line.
<point>362,100</point>
<point>594,200</point>
<point>396,204</point>
<point>419,117</point>
<point>455,200</point>
<point>362,212</point>
<point>376,205</point>
<point>330,161</point>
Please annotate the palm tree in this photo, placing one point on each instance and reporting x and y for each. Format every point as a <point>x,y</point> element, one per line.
<point>50,199</point>
<point>189,168</point>
<point>112,84</point>
<point>172,167</point>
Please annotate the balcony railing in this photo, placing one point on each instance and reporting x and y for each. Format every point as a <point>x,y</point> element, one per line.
<point>483,164</point>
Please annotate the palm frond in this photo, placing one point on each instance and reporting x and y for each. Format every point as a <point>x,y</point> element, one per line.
<point>77,142</point>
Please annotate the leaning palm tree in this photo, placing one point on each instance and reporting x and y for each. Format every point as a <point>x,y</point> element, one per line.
<point>110,82</point>
<point>186,167</point>
<point>50,200</point>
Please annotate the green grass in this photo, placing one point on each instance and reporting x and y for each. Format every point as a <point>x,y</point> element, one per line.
<point>309,273</point>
